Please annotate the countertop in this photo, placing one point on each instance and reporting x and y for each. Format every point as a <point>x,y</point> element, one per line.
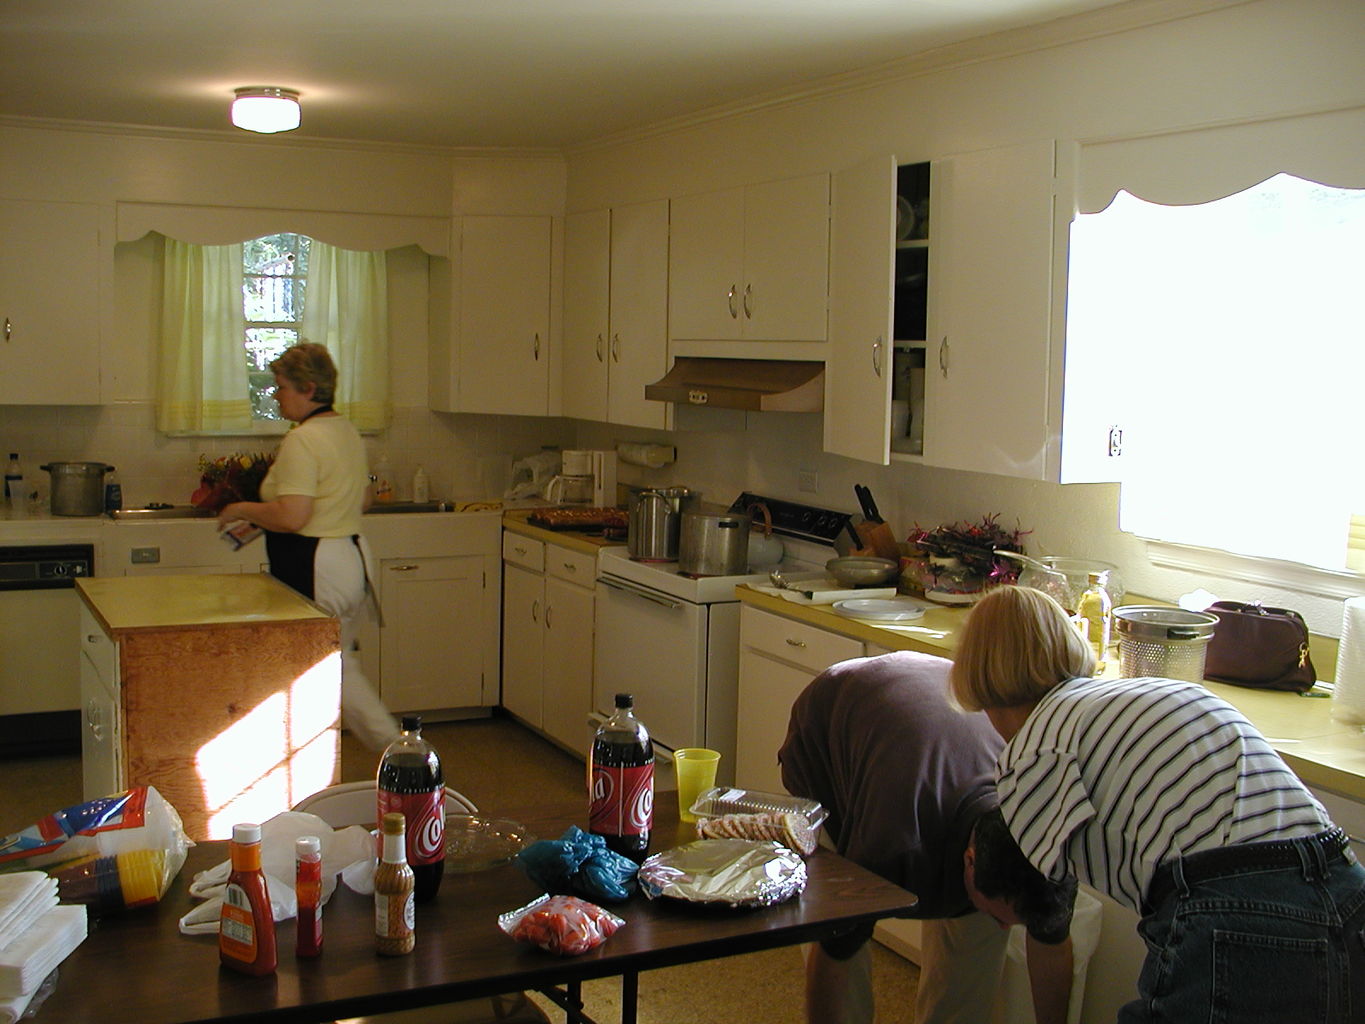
<point>514,520</point>
<point>129,603</point>
<point>1321,750</point>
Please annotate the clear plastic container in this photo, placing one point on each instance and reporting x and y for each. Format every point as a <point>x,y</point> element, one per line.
<point>722,800</point>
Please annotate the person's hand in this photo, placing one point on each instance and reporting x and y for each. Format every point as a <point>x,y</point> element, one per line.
<point>227,514</point>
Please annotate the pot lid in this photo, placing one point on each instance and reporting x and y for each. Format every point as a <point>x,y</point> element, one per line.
<point>754,385</point>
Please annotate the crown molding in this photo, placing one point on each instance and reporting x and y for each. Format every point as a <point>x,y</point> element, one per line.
<point>1007,43</point>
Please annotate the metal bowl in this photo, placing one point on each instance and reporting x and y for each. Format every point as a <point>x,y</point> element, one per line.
<point>861,571</point>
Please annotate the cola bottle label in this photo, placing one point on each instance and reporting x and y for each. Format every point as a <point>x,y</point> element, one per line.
<point>426,823</point>
<point>622,800</point>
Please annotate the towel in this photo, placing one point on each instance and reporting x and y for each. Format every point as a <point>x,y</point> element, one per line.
<point>25,896</point>
<point>26,961</point>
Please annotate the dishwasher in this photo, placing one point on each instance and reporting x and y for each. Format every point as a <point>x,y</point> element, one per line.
<point>40,668</point>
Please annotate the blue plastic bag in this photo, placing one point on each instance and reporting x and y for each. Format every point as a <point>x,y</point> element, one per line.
<point>579,863</point>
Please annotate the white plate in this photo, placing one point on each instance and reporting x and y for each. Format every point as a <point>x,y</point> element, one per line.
<point>880,611</point>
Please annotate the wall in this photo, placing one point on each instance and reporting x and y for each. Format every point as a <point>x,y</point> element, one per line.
<point>467,457</point>
<point>1235,62</point>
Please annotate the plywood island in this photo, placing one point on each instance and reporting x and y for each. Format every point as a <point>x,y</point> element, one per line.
<point>223,691</point>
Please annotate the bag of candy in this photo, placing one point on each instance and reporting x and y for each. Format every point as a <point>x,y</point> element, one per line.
<point>112,853</point>
<point>565,925</point>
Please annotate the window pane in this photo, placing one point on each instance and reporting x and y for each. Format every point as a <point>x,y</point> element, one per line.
<point>1236,347</point>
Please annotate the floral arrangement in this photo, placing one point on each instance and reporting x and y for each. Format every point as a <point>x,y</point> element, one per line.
<point>229,478</point>
<point>959,558</point>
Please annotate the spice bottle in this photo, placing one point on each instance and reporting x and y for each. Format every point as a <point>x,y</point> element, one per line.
<point>308,892</point>
<point>1096,607</point>
<point>393,902</point>
<point>246,925</point>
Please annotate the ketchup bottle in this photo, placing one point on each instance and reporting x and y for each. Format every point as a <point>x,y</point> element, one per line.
<point>246,925</point>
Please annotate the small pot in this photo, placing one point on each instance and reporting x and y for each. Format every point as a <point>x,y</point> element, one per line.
<point>713,544</point>
<point>77,487</point>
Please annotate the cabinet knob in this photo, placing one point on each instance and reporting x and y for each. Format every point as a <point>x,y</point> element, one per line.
<point>598,348</point>
<point>535,611</point>
<point>748,302</point>
<point>406,567</point>
<point>943,356</point>
<point>9,329</point>
<point>569,567</point>
<point>615,348</point>
<point>548,609</point>
<point>535,346</point>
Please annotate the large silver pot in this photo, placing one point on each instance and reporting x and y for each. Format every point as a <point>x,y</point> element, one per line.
<point>654,519</point>
<point>77,487</point>
<point>713,544</point>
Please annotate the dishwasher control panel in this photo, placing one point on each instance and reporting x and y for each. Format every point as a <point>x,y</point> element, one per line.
<point>45,566</point>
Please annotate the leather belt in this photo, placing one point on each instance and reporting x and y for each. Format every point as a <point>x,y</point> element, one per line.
<point>1227,860</point>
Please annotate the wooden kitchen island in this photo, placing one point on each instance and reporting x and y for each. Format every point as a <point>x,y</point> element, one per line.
<point>223,691</point>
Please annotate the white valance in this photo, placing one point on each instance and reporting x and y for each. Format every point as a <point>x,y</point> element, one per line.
<point>225,225</point>
<point>1203,164</point>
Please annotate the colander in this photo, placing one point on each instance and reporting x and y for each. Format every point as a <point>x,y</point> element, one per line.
<point>1160,641</point>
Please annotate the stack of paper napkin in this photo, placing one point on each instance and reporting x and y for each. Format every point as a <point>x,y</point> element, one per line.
<point>35,936</point>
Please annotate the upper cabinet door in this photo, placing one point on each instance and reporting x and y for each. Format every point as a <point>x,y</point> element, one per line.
<point>504,338</point>
<point>858,369</point>
<point>706,266</point>
<point>786,260</point>
<point>587,270</point>
<point>637,352</point>
<point>990,358</point>
<point>49,303</point>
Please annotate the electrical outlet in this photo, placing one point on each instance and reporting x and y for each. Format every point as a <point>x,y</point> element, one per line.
<point>808,480</point>
<point>145,556</point>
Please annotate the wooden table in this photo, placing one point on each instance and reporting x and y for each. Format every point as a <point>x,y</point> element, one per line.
<point>136,968</point>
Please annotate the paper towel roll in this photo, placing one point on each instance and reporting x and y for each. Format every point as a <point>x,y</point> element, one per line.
<point>1348,700</point>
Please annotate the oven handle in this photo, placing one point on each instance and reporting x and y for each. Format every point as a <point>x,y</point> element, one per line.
<point>638,591</point>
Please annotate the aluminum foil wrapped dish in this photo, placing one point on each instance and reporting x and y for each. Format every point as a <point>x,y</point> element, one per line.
<point>733,872</point>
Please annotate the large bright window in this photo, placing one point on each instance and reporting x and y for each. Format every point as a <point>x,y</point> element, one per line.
<point>1233,334</point>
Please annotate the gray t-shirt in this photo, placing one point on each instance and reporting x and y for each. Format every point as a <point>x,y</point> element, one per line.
<point>903,773</point>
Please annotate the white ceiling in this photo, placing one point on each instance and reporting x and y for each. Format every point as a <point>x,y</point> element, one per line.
<point>518,73</point>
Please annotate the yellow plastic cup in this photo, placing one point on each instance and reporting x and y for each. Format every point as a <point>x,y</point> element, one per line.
<point>696,770</point>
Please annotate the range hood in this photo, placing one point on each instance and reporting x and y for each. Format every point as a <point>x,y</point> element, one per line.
<point>755,385</point>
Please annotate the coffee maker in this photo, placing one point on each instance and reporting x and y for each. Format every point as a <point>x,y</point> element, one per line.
<point>587,477</point>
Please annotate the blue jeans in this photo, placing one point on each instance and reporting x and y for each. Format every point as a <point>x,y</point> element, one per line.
<point>1264,941</point>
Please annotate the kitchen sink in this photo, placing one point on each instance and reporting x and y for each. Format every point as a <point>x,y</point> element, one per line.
<point>389,508</point>
<point>162,512</point>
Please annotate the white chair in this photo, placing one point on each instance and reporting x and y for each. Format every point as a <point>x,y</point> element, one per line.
<point>353,803</point>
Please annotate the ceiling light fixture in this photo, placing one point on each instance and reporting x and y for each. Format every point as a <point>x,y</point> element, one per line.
<point>266,109</point>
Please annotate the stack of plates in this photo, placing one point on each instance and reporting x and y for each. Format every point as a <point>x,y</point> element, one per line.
<point>880,610</point>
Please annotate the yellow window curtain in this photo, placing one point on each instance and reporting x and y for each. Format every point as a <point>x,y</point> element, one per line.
<point>1355,543</point>
<point>345,307</point>
<point>202,381</point>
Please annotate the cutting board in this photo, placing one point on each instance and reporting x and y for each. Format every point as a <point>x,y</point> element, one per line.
<point>825,591</point>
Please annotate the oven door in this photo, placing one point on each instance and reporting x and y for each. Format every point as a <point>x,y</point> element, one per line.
<point>653,646</point>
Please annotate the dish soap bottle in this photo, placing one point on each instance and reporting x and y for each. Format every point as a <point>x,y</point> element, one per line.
<point>421,486</point>
<point>1096,607</point>
<point>383,481</point>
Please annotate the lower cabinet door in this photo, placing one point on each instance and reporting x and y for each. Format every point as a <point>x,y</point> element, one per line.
<point>567,695</point>
<point>523,642</point>
<point>767,690</point>
<point>433,659</point>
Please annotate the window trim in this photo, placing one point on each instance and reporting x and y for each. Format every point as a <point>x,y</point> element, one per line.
<point>1273,572</point>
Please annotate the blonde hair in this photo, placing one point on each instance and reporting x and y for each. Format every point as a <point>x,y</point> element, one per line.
<point>308,363</point>
<point>1017,645</point>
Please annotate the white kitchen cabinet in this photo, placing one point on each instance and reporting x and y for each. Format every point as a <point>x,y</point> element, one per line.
<point>503,333</point>
<point>990,364</point>
<point>49,303</point>
<point>548,612</point>
<point>751,263</point>
<point>616,313</point>
<point>430,658</point>
<point>778,657</point>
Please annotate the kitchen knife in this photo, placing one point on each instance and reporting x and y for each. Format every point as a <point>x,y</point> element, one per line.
<point>873,515</point>
<point>865,501</point>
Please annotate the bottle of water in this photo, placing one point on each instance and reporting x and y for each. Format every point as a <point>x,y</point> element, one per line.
<point>14,481</point>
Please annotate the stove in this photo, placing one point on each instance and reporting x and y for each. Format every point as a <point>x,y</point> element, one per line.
<point>808,534</point>
<point>672,640</point>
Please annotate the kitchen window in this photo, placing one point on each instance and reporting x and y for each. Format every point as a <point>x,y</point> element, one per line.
<point>1232,337</point>
<point>229,310</point>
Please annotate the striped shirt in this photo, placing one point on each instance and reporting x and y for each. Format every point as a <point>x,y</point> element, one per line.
<point>1110,778</point>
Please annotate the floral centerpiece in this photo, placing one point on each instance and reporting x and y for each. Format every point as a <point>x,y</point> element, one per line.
<point>229,478</point>
<point>956,563</point>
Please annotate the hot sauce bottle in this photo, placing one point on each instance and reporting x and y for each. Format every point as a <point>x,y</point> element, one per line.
<point>246,926</point>
<point>393,891</point>
<point>308,892</point>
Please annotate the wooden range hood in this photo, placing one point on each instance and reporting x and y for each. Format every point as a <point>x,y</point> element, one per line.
<point>755,385</point>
